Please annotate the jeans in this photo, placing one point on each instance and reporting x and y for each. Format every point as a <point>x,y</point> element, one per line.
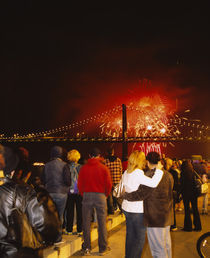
<point>205,203</point>
<point>97,201</point>
<point>60,203</point>
<point>174,208</point>
<point>159,241</point>
<point>135,234</point>
<point>110,205</point>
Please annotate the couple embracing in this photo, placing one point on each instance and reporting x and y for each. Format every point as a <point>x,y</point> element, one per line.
<point>147,205</point>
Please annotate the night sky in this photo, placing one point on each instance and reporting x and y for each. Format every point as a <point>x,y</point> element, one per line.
<point>62,63</point>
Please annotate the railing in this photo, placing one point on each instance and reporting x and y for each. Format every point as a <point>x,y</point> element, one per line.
<point>107,139</point>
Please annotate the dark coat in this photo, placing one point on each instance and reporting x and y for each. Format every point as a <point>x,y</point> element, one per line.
<point>37,205</point>
<point>158,202</point>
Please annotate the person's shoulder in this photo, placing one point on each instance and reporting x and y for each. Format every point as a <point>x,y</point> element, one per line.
<point>25,190</point>
<point>62,161</point>
<point>102,165</point>
<point>137,172</point>
<point>78,166</point>
<point>167,174</point>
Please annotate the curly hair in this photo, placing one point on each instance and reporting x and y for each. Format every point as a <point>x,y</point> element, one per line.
<point>73,155</point>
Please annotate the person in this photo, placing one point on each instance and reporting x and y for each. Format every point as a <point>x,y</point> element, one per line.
<point>199,167</point>
<point>177,166</point>
<point>124,163</point>
<point>41,214</point>
<point>74,198</point>
<point>115,166</point>
<point>189,196</point>
<point>158,208</point>
<point>169,166</point>
<point>204,177</point>
<point>23,170</point>
<point>56,178</point>
<point>94,184</point>
<point>133,211</point>
<point>205,196</point>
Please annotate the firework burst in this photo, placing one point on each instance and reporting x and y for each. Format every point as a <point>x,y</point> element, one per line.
<point>147,117</point>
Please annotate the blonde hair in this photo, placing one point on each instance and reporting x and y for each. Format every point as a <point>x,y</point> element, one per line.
<point>73,155</point>
<point>169,163</point>
<point>137,159</point>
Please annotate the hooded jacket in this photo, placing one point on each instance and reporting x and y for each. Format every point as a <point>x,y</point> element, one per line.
<point>94,177</point>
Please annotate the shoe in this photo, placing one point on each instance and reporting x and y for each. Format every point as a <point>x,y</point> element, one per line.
<point>65,232</point>
<point>59,242</point>
<point>204,212</point>
<point>79,234</point>
<point>197,229</point>
<point>174,229</point>
<point>86,252</point>
<point>187,230</point>
<point>107,250</point>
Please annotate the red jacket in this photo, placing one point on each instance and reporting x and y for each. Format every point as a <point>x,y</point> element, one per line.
<point>94,177</point>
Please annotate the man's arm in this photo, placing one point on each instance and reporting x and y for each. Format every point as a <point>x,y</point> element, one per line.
<point>142,193</point>
<point>67,175</point>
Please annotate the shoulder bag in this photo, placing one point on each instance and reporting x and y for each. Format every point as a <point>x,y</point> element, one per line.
<point>118,189</point>
<point>200,187</point>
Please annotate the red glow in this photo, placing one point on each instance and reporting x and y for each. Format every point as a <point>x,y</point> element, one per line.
<point>146,117</point>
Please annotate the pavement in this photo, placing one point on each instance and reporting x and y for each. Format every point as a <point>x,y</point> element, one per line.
<point>183,243</point>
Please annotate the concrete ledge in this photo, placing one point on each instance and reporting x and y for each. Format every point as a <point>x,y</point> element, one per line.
<point>73,243</point>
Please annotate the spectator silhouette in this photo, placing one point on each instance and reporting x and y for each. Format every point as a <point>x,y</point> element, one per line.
<point>40,215</point>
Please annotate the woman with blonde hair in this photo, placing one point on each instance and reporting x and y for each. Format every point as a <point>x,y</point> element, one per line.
<point>131,179</point>
<point>74,198</point>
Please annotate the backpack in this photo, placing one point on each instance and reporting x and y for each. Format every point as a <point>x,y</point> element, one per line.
<point>74,169</point>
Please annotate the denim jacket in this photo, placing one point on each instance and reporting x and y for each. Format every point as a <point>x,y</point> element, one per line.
<point>55,178</point>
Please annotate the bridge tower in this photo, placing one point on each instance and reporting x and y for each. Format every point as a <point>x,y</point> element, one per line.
<point>124,133</point>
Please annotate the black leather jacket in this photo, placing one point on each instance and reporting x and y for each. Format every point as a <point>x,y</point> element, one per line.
<point>39,208</point>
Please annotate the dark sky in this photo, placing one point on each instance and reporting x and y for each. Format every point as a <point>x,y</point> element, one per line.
<point>60,63</point>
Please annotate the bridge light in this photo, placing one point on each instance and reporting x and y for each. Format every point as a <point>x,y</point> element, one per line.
<point>163,130</point>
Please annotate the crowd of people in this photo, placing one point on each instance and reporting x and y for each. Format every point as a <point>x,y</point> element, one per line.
<point>155,188</point>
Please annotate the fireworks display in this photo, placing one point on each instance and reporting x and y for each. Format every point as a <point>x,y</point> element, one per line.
<point>152,123</point>
<point>147,117</point>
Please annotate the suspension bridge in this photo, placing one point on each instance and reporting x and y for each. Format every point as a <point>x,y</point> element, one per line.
<point>123,124</point>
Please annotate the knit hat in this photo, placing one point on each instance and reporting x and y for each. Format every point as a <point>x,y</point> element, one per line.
<point>56,152</point>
